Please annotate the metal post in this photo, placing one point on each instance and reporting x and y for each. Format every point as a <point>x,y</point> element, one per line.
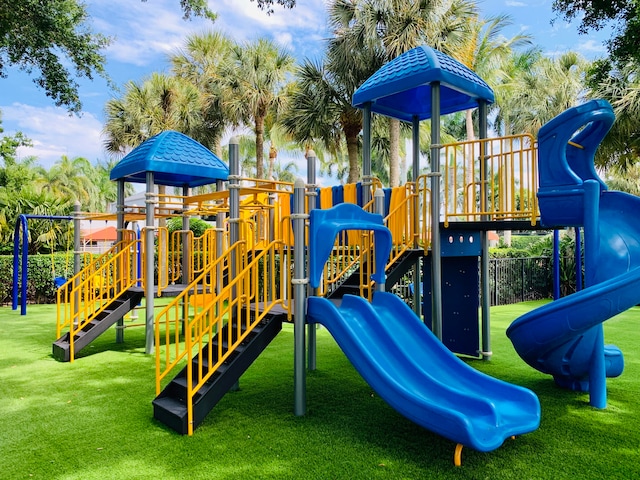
<point>485,347</point>
<point>378,203</point>
<point>234,213</point>
<point>186,246</point>
<point>366,154</point>
<point>20,263</point>
<point>149,248</point>
<point>220,216</point>
<point>415,173</point>
<point>436,259</point>
<point>120,188</point>
<point>186,256</point>
<point>299,282</point>
<point>312,193</point>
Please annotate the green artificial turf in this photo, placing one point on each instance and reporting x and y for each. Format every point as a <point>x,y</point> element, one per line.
<point>93,419</point>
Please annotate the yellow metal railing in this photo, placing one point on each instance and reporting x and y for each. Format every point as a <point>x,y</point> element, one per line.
<point>492,179</point>
<point>88,293</point>
<point>240,294</point>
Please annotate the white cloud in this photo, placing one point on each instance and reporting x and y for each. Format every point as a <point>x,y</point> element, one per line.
<point>145,32</point>
<point>510,3</point>
<point>592,46</point>
<point>54,132</point>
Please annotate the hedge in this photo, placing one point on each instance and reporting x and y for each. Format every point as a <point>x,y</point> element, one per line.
<point>40,276</point>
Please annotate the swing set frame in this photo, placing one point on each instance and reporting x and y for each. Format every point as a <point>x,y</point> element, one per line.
<point>21,256</point>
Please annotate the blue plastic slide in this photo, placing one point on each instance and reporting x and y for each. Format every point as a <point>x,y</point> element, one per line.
<point>413,372</point>
<point>564,338</point>
<point>559,338</point>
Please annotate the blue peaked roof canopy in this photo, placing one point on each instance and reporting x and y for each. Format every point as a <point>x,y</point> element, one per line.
<point>402,88</point>
<point>175,160</point>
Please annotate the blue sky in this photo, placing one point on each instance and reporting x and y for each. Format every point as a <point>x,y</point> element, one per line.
<point>144,34</point>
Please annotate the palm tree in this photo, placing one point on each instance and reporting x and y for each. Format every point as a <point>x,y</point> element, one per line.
<point>320,110</point>
<point>200,62</point>
<point>160,103</point>
<point>254,87</point>
<point>71,179</point>
<point>484,51</point>
<point>507,88</point>
<point>545,90</point>
<point>621,147</point>
<point>107,189</point>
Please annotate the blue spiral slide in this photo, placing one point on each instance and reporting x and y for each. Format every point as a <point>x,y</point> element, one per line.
<point>564,338</point>
<point>403,361</point>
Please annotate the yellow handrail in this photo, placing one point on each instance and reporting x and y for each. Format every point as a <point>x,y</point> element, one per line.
<point>237,293</point>
<point>89,292</point>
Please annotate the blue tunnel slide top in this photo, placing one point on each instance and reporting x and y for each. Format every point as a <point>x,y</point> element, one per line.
<point>401,359</point>
<point>564,338</point>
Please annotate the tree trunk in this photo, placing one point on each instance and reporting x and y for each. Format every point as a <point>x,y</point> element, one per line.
<point>259,147</point>
<point>394,152</point>
<point>354,158</point>
<point>273,154</point>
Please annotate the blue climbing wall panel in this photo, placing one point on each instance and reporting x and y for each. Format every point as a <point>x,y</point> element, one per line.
<point>460,291</point>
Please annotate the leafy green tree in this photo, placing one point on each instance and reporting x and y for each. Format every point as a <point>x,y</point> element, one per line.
<point>161,102</point>
<point>255,88</point>
<point>48,37</point>
<point>200,62</point>
<point>267,5</point>
<point>620,149</point>
<point>54,40</point>
<point>71,179</point>
<point>595,14</point>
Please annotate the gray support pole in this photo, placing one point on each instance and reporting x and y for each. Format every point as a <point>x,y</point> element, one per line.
<point>119,238</point>
<point>234,194</point>
<point>220,216</point>
<point>312,194</point>
<point>77,261</point>
<point>186,246</point>
<point>436,259</point>
<point>234,212</point>
<point>149,251</point>
<point>186,256</point>
<point>484,238</point>
<point>415,173</point>
<point>299,282</point>
<point>366,154</point>
<point>378,205</point>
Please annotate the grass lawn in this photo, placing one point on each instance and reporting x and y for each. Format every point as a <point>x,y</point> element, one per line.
<point>93,419</point>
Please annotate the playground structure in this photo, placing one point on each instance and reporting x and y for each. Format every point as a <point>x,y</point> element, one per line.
<point>233,288</point>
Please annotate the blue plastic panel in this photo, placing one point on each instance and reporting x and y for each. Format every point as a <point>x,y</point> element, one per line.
<point>460,302</point>
<point>402,88</point>
<point>324,225</point>
<point>175,159</point>
<point>460,243</point>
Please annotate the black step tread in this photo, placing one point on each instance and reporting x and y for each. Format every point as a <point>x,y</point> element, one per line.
<point>116,309</point>
<point>218,385</point>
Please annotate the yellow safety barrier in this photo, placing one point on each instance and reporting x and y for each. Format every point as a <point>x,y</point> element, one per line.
<point>88,293</point>
<point>247,296</point>
<point>491,179</point>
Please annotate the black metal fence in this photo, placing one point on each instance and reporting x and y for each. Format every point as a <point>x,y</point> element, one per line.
<point>513,280</point>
